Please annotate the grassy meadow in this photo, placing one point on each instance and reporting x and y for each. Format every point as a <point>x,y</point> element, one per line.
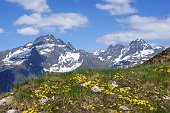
<point>141,89</point>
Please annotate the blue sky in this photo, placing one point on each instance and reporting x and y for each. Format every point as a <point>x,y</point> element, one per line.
<point>87,24</point>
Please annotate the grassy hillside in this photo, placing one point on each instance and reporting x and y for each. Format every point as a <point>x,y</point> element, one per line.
<point>136,90</point>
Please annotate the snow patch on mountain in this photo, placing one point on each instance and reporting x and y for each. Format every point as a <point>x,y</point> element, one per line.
<point>145,52</point>
<point>45,48</point>
<point>97,52</point>
<point>67,62</point>
<point>61,45</point>
<point>29,44</point>
<point>17,57</point>
<point>109,57</point>
<point>117,59</point>
<point>101,58</point>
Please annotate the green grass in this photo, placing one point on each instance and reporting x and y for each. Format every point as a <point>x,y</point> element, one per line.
<point>141,89</point>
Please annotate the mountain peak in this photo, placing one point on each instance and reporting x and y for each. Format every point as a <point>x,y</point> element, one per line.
<point>48,39</point>
<point>119,45</point>
<point>139,40</point>
<point>111,47</point>
<point>159,47</point>
<point>45,39</point>
<point>139,44</point>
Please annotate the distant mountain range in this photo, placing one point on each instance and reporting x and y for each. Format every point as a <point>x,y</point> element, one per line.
<point>45,54</point>
<point>137,52</point>
<point>48,54</point>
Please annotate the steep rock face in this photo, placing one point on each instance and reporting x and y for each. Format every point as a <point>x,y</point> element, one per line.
<point>7,78</point>
<point>137,52</point>
<point>110,53</point>
<point>45,54</point>
<point>91,62</point>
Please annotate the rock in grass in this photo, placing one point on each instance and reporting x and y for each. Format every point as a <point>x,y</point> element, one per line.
<point>163,107</point>
<point>167,98</point>
<point>53,98</point>
<point>124,108</point>
<point>6,101</point>
<point>114,84</point>
<point>43,100</point>
<point>12,111</point>
<point>95,89</point>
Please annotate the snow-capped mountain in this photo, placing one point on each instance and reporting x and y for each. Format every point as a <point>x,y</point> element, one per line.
<point>45,54</point>
<point>137,52</point>
<point>48,54</point>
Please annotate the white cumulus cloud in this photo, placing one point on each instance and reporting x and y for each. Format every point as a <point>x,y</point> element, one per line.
<point>117,7</point>
<point>148,28</point>
<point>28,31</point>
<point>39,6</point>
<point>29,19</point>
<point>63,21</point>
<point>42,19</point>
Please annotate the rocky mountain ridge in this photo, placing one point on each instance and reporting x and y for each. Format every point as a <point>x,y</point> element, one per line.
<point>137,52</point>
